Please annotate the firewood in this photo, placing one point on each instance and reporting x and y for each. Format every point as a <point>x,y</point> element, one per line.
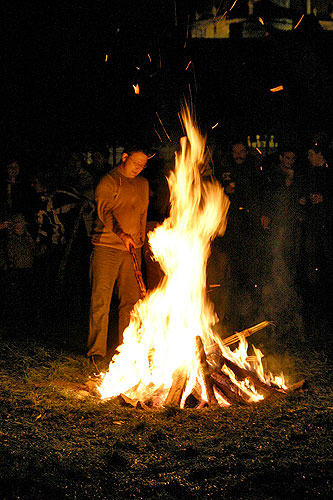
<point>214,350</point>
<point>140,405</point>
<point>126,401</point>
<point>205,373</point>
<point>242,373</point>
<point>138,274</point>
<point>229,390</point>
<point>179,379</point>
<point>296,386</point>
<point>221,392</point>
<point>197,390</point>
<point>245,333</point>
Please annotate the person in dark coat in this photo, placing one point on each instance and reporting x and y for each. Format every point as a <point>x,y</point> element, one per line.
<point>316,236</point>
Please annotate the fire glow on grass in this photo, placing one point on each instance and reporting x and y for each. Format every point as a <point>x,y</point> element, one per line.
<point>160,341</point>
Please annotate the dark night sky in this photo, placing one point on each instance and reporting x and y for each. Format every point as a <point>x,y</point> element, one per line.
<point>55,77</point>
<point>59,90</point>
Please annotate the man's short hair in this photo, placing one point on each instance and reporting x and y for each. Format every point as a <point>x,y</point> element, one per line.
<point>238,140</point>
<point>319,147</point>
<point>287,148</point>
<point>134,148</point>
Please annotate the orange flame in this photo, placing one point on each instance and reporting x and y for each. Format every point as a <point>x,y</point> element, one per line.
<point>136,88</point>
<point>160,341</point>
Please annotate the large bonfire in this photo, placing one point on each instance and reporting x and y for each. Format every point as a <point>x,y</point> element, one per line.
<point>169,347</point>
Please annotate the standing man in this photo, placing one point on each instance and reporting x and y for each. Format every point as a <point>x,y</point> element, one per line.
<point>282,218</point>
<point>121,197</point>
<point>317,229</point>
<point>242,244</point>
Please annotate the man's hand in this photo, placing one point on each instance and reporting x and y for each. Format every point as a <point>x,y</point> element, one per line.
<point>230,188</point>
<point>127,240</point>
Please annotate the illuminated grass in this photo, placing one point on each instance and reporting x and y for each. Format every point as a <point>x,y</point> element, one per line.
<point>60,442</point>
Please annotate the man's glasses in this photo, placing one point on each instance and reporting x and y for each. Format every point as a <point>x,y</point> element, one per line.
<point>137,164</point>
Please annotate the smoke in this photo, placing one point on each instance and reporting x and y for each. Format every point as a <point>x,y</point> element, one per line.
<point>281,299</point>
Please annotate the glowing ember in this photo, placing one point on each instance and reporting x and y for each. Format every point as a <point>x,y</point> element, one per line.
<point>136,88</point>
<point>161,342</point>
<point>277,89</point>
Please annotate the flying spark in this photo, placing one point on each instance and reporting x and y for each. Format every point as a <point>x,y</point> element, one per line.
<point>159,119</point>
<point>226,12</point>
<point>299,22</point>
<point>158,135</point>
<point>276,89</point>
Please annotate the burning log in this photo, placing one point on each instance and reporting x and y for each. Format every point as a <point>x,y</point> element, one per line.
<point>230,391</point>
<point>179,380</point>
<point>214,349</point>
<point>242,373</point>
<point>205,373</point>
<point>219,376</point>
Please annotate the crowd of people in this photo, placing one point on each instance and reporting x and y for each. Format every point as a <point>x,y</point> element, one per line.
<point>66,231</point>
<point>277,242</point>
<point>46,219</point>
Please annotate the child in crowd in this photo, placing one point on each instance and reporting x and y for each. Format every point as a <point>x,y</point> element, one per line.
<point>19,252</point>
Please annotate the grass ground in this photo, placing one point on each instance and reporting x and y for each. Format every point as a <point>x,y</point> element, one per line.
<point>58,441</point>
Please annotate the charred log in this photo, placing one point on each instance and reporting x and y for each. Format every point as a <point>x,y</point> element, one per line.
<point>229,390</point>
<point>205,372</point>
